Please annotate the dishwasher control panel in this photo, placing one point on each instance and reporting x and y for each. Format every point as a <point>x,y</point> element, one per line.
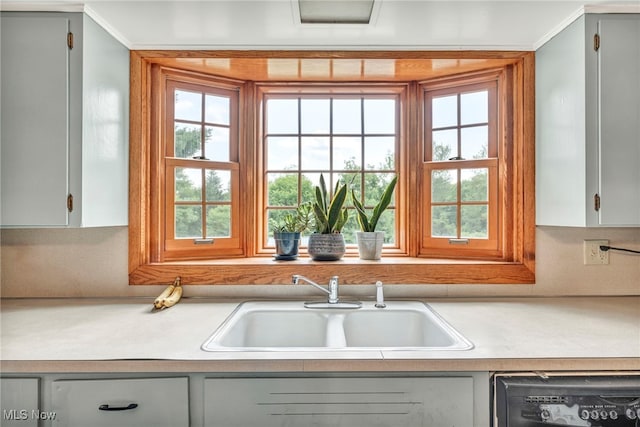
<point>589,401</point>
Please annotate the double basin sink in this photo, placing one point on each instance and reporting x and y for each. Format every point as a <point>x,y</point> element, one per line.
<point>290,326</point>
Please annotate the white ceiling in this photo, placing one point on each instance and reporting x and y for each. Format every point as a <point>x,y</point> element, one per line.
<point>275,24</point>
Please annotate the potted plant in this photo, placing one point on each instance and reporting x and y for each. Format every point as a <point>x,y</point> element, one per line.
<point>369,240</point>
<point>327,243</point>
<point>287,231</point>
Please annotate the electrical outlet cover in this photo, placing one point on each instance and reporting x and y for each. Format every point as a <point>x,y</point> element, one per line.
<point>592,253</point>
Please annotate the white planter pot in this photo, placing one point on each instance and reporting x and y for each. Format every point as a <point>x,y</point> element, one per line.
<point>370,244</point>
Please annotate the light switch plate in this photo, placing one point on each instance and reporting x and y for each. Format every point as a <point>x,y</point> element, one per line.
<point>592,253</point>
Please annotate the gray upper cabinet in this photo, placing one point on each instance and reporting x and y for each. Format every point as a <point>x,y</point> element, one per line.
<point>588,124</point>
<point>64,137</point>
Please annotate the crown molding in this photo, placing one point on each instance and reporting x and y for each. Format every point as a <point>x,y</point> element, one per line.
<point>602,8</point>
<point>42,6</point>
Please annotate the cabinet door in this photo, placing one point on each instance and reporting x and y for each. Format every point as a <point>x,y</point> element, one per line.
<point>35,120</point>
<point>124,402</point>
<point>619,100</point>
<point>333,402</point>
<point>19,402</point>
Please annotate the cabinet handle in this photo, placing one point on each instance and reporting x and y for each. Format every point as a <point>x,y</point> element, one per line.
<point>118,408</point>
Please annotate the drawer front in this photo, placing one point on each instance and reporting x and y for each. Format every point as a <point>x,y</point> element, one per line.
<point>125,402</point>
<point>20,403</point>
<point>339,402</point>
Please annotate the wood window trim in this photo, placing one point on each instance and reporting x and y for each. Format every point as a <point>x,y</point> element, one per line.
<point>396,91</point>
<point>499,148</point>
<point>143,205</point>
<point>178,249</point>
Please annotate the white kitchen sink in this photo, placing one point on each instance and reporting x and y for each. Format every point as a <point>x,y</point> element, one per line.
<point>289,326</point>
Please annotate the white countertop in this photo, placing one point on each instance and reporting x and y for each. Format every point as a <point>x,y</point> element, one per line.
<point>111,335</point>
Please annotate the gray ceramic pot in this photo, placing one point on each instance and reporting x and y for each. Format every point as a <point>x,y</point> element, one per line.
<point>326,247</point>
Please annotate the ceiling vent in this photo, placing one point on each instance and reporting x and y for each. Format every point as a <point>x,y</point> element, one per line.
<point>336,11</point>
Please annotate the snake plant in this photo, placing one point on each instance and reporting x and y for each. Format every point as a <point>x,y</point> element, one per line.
<point>330,213</point>
<point>369,223</point>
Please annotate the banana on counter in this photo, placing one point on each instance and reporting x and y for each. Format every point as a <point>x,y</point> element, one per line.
<point>169,297</point>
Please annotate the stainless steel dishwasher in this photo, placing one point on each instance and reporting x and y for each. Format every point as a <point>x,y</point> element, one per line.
<point>567,399</point>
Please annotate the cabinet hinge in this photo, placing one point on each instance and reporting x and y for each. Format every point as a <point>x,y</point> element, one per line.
<point>70,202</point>
<point>596,42</point>
<point>70,40</point>
<point>596,202</point>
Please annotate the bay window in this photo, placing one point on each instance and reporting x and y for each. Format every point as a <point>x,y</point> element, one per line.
<point>220,149</point>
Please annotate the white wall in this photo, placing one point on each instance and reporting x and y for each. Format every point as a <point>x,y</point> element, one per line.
<point>92,262</point>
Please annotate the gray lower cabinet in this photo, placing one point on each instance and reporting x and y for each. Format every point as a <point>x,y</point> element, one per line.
<point>20,402</point>
<point>121,402</point>
<point>380,399</point>
<point>452,401</point>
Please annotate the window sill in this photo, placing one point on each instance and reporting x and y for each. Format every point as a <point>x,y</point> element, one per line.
<point>352,270</point>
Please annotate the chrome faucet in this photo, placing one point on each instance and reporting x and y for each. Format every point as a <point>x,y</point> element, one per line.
<point>332,289</point>
<point>333,301</point>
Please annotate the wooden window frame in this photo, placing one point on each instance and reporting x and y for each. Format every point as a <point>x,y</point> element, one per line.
<point>180,249</point>
<point>498,149</point>
<point>162,164</point>
<point>396,91</point>
<point>147,267</point>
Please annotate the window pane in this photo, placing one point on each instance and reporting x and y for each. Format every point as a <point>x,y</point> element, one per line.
<point>315,153</point>
<point>474,220</point>
<point>187,140</point>
<point>444,185</point>
<point>347,116</point>
<point>374,186</point>
<point>218,186</point>
<point>282,189</point>
<point>219,221</point>
<point>216,144</point>
<point>315,116</point>
<point>474,107</point>
<point>204,129</point>
<point>379,153</point>
<point>309,183</point>
<point>282,116</point>
<point>475,142</point>
<point>443,221</point>
<point>188,106</point>
<point>282,153</point>
<point>387,223</point>
<point>379,116</point>
<point>350,228</point>
<point>217,110</point>
<point>445,144</point>
<point>188,222</point>
<point>347,153</point>
<point>474,185</point>
<point>188,185</point>
<point>444,112</point>
<point>331,142</point>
